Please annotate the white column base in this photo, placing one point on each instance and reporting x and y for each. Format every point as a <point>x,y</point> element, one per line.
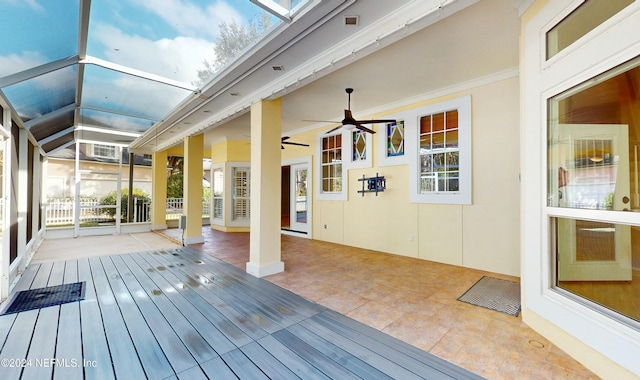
<point>265,270</point>
<point>194,240</point>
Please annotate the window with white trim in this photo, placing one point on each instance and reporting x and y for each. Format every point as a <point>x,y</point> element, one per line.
<point>331,163</point>
<point>217,193</point>
<point>241,198</point>
<point>440,154</point>
<point>103,151</point>
<point>358,150</point>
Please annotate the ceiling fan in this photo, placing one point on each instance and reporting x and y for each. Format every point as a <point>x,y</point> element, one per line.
<point>284,141</point>
<point>349,122</point>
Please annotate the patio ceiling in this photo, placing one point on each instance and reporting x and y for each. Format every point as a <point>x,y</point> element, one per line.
<point>107,70</point>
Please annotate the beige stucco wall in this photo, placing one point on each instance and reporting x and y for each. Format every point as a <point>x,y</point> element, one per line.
<point>483,235</point>
<point>60,179</point>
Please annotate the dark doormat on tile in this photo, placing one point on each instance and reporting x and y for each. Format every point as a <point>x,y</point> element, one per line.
<point>495,294</point>
<point>44,297</point>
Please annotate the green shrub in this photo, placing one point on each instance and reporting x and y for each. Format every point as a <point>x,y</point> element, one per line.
<point>110,199</point>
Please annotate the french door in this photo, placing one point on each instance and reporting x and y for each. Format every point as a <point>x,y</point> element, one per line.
<point>298,199</point>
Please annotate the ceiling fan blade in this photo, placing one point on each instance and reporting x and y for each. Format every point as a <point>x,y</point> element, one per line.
<point>281,147</point>
<point>364,129</point>
<point>294,143</point>
<point>285,138</point>
<point>334,129</point>
<point>322,121</point>
<point>376,121</point>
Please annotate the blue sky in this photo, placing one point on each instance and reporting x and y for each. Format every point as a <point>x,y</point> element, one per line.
<point>169,38</point>
<point>166,37</point>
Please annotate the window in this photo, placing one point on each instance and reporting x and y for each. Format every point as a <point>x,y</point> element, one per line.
<point>441,153</point>
<point>241,200</point>
<point>395,139</point>
<point>392,146</point>
<point>332,164</point>
<point>104,151</point>
<point>593,178</point>
<point>217,194</point>
<point>559,95</point>
<point>359,145</point>
<point>580,22</point>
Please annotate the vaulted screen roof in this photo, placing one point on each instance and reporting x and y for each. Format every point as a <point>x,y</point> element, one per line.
<point>108,70</point>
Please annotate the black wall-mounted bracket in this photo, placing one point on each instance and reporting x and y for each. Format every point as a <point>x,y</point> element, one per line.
<point>375,184</point>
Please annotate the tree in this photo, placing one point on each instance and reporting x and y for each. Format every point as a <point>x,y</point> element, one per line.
<point>232,40</point>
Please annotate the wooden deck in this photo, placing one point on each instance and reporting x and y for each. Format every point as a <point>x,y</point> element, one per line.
<point>179,314</point>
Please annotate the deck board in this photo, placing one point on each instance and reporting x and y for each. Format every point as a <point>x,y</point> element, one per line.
<point>171,299</point>
<point>123,353</point>
<point>176,314</point>
<point>181,341</point>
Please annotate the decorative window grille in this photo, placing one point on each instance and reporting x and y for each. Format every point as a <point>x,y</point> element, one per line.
<point>395,138</point>
<point>332,164</point>
<point>439,153</point>
<point>104,151</point>
<point>241,201</point>
<point>359,145</point>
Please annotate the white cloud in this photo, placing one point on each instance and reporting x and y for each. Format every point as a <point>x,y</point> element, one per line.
<point>14,63</point>
<point>33,4</point>
<point>191,20</point>
<point>177,58</point>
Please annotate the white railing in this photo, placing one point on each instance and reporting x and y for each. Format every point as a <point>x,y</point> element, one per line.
<point>174,208</point>
<point>59,212</point>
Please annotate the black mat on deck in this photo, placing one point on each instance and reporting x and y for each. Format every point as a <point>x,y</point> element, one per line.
<point>44,297</point>
<point>495,294</point>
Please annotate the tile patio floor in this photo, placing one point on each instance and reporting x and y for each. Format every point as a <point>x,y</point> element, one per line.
<point>413,300</point>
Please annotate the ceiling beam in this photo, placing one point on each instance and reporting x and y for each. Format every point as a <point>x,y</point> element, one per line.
<point>89,60</point>
<point>274,8</point>
<point>38,70</point>
<point>49,116</point>
<point>52,151</point>
<point>83,28</point>
<point>55,136</point>
<point>111,111</point>
<point>107,131</point>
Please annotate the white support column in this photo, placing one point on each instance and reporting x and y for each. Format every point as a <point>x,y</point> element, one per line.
<point>265,250</point>
<point>5,182</point>
<point>37,191</point>
<point>23,197</point>
<point>76,196</point>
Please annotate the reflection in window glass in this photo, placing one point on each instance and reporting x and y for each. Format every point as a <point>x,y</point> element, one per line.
<point>580,22</point>
<point>218,193</point>
<point>594,164</point>
<point>593,145</point>
<point>439,153</point>
<point>596,261</point>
